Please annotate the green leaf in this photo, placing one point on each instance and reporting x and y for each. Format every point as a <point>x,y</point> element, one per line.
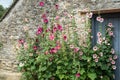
<point>82,71</point>
<point>92,76</point>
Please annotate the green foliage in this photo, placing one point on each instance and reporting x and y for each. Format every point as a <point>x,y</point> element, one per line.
<point>2,10</point>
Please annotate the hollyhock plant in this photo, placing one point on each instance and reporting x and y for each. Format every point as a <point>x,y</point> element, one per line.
<point>57,53</point>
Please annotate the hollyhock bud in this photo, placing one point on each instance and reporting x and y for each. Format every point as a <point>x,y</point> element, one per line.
<point>77,75</point>
<point>41,3</point>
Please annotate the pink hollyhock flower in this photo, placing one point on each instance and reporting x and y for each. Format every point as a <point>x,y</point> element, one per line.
<point>51,37</point>
<point>21,41</point>
<point>114,67</point>
<point>65,37</point>
<point>53,50</point>
<point>112,62</point>
<point>57,47</point>
<point>95,56</point>
<point>76,49</point>
<point>41,3</point>
<point>35,48</point>
<point>46,52</point>
<point>98,18</point>
<point>45,21</point>
<point>89,15</point>
<point>77,75</point>
<point>111,33</point>
<point>48,30</point>
<point>101,20</point>
<point>57,17</point>
<point>112,51</point>
<point>95,48</point>
<point>54,29</point>
<point>39,31</point>
<point>71,46</point>
<point>96,60</point>
<point>115,57</point>
<point>25,45</point>
<point>81,53</point>
<point>56,6</point>
<point>99,34</point>
<point>59,27</point>
<point>110,58</point>
<point>110,24</point>
<point>108,29</point>
<point>101,54</point>
<point>99,40</point>
<point>44,16</point>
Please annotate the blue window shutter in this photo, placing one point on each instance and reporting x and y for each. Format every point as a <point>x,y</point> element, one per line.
<point>115,19</point>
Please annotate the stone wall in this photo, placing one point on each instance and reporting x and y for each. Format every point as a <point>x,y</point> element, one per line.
<point>26,13</point>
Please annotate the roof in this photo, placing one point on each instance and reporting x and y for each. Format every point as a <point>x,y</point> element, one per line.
<point>9,10</point>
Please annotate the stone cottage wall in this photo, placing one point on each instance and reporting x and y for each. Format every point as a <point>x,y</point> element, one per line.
<point>26,13</point>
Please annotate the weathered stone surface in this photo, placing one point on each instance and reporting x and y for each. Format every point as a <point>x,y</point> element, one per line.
<point>27,13</point>
<point>7,75</point>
